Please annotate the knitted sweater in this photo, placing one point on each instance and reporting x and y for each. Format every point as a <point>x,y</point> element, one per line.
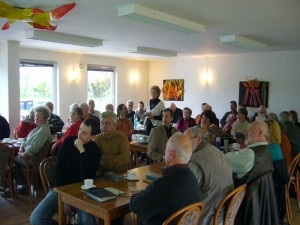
<point>115,153</point>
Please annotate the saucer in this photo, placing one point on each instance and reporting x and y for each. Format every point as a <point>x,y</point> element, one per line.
<point>135,179</point>
<point>84,188</point>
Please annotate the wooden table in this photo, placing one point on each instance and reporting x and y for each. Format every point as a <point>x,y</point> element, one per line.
<point>139,147</point>
<point>73,195</point>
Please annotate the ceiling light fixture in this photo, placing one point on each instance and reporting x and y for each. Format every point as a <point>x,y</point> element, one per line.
<point>153,17</point>
<point>63,38</point>
<point>243,42</point>
<point>153,51</point>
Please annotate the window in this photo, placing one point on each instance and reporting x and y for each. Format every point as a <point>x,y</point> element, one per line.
<point>101,83</point>
<point>36,85</point>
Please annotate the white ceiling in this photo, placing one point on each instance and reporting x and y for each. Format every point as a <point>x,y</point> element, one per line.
<point>274,22</point>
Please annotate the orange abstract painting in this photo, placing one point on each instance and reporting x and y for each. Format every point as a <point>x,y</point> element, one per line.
<point>173,90</point>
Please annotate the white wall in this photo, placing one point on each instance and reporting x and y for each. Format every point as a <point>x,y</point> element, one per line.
<point>281,69</point>
<point>70,92</point>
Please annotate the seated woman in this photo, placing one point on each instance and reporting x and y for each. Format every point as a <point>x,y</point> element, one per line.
<point>241,125</point>
<point>124,125</point>
<point>274,139</point>
<point>75,115</point>
<point>37,137</point>
<point>285,143</point>
<point>207,123</point>
<point>187,121</point>
<point>26,125</point>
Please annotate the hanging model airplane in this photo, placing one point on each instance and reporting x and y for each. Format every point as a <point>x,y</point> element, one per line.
<point>35,17</point>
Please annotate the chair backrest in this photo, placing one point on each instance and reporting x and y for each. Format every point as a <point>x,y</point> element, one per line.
<point>47,173</point>
<point>5,151</point>
<point>231,204</point>
<point>189,215</point>
<point>134,159</point>
<point>40,155</point>
<point>293,166</point>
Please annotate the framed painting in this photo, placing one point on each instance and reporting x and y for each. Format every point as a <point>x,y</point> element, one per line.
<point>253,93</point>
<point>173,90</point>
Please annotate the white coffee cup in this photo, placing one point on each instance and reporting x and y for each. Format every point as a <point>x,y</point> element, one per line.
<point>88,183</point>
<point>131,175</point>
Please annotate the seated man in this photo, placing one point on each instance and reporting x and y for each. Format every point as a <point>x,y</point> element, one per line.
<point>176,189</point>
<point>177,113</point>
<point>55,122</point>
<point>77,160</point>
<point>253,166</point>
<point>255,160</point>
<point>92,109</point>
<point>212,171</point>
<point>124,125</point>
<point>159,136</point>
<point>233,110</point>
<point>114,146</point>
<point>140,112</point>
<point>130,112</point>
<point>85,112</point>
<point>261,114</point>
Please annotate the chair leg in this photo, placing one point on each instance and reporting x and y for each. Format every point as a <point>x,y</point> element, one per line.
<point>298,187</point>
<point>288,205</point>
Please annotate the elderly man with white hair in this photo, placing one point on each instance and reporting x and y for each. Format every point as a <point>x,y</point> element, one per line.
<point>212,171</point>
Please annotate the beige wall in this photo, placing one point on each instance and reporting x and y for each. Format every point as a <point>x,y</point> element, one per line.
<point>281,69</point>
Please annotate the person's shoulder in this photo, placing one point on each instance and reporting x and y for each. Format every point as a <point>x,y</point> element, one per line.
<point>70,139</point>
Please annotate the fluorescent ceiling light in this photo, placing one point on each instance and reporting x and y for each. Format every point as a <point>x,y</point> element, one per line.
<point>63,38</point>
<point>153,17</point>
<point>153,51</point>
<point>243,42</point>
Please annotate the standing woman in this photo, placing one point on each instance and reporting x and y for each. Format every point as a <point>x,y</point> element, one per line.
<point>154,109</point>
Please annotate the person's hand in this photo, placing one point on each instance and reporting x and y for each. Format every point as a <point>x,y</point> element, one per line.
<point>79,145</point>
<point>149,114</point>
<point>50,125</point>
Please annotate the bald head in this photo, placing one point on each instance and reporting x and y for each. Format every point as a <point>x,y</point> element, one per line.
<point>50,106</point>
<point>207,107</point>
<point>173,107</point>
<point>181,145</point>
<point>257,132</point>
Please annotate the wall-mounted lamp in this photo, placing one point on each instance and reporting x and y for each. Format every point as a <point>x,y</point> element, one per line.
<point>134,77</point>
<point>206,75</point>
<point>74,73</point>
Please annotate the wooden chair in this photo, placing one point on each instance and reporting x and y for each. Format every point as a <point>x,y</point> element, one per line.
<point>294,179</point>
<point>231,204</point>
<point>31,170</point>
<point>47,173</point>
<point>134,159</point>
<point>190,214</point>
<point>7,153</point>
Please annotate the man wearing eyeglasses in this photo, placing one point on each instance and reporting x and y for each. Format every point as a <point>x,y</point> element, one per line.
<point>212,171</point>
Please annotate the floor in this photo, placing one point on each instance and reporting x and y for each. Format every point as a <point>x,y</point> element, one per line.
<point>19,214</point>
